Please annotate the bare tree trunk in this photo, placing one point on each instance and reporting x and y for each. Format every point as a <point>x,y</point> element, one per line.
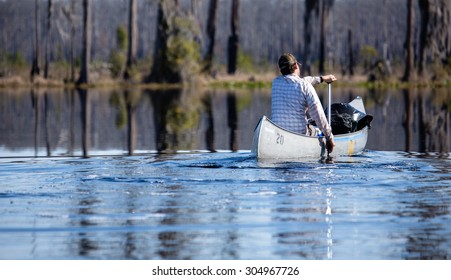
<point>69,13</point>
<point>424,14</point>
<point>435,34</point>
<point>326,6</point>
<point>162,71</point>
<point>233,43</point>
<point>132,38</point>
<point>408,46</point>
<point>211,31</point>
<point>386,44</point>
<point>322,42</point>
<point>86,54</point>
<point>310,6</point>
<point>350,54</point>
<point>35,70</point>
<point>47,39</point>
<point>72,42</point>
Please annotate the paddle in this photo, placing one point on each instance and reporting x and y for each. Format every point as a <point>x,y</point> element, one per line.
<point>329,85</point>
<point>329,114</point>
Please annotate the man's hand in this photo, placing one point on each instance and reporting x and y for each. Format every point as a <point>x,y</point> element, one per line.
<point>330,144</point>
<point>329,78</point>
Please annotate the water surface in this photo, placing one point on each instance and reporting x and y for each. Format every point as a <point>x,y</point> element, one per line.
<point>381,205</point>
<point>109,174</point>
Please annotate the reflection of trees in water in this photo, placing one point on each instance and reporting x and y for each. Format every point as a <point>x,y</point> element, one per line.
<point>86,204</point>
<point>47,124</point>
<point>191,217</point>
<point>35,98</point>
<point>408,119</point>
<point>85,120</point>
<point>71,122</point>
<point>210,131</point>
<point>126,104</point>
<point>428,116</point>
<point>434,122</point>
<point>172,243</point>
<point>81,120</point>
<point>176,119</point>
<point>189,119</point>
<point>232,121</point>
<point>423,114</point>
<point>235,104</point>
<point>425,206</point>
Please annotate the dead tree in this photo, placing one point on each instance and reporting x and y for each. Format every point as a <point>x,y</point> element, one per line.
<point>435,19</point>
<point>162,70</point>
<point>310,7</point>
<point>325,9</point>
<point>132,38</point>
<point>35,69</point>
<point>47,39</point>
<point>233,42</point>
<point>211,32</point>
<point>86,53</point>
<point>408,45</point>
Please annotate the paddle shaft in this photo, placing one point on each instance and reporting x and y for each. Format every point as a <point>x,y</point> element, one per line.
<point>329,158</point>
<point>329,105</point>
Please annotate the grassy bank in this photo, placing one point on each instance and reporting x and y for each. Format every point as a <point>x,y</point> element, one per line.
<point>222,81</point>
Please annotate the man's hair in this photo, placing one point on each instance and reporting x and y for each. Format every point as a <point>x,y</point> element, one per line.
<point>287,63</point>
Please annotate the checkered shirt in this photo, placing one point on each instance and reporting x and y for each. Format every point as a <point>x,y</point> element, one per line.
<point>292,98</point>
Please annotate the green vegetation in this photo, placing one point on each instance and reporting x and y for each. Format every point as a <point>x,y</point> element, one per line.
<point>119,55</point>
<point>368,56</point>
<point>12,63</point>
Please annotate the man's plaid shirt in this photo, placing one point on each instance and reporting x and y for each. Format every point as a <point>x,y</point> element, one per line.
<point>292,98</point>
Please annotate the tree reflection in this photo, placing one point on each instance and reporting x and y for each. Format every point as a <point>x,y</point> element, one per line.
<point>425,207</point>
<point>172,243</point>
<point>176,118</point>
<point>210,131</point>
<point>85,207</point>
<point>408,119</point>
<point>71,122</point>
<point>232,120</point>
<point>126,105</point>
<point>434,122</point>
<point>35,101</point>
<point>412,120</point>
<point>36,104</point>
<point>47,125</point>
<point>132,99</point>
<point>428,117</point>
<point>85,120</point>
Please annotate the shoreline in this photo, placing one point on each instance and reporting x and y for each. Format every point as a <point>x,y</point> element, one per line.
<point>239,81</point>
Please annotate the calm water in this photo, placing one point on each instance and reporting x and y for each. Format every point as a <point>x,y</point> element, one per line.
<point>194,204</point>
<point>382,205</point>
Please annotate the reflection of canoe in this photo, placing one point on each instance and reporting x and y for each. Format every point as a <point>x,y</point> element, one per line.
<point>273,142</point>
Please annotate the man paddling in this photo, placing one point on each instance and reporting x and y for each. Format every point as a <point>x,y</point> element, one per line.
<point>293,97</point>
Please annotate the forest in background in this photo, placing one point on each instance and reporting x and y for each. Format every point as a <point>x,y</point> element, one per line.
<point>177,41</point>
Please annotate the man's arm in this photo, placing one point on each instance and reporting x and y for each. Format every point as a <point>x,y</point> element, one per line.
<point>314,80</point>
<point>316,111</point>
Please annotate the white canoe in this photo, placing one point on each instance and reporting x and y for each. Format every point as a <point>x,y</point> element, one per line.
<point>274,142</point>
